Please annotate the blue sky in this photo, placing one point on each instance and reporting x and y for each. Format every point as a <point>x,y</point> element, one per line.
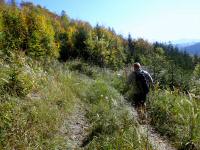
<point>162,20</point>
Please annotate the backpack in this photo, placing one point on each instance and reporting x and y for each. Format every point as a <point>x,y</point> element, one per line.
<point>141,82</point>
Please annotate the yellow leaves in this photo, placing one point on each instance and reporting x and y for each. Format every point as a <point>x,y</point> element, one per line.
<point>71,30</point>
<point>41,41</point>
<point>143,46</point>
<point>1,22</point>
<point>41,36</point>
<point>1,31</point>
<point>15,30</point>
<point>43,25</point>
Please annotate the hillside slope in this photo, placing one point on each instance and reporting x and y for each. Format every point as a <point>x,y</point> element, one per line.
<point>39,107</point>
<point>62,85</point>
<point>193,49</point>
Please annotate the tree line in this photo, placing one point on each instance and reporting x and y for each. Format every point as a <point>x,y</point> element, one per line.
<point>43,35</point>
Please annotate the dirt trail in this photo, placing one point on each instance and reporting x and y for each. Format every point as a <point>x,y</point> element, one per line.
<point>156,141</point>
<point>75,127</point>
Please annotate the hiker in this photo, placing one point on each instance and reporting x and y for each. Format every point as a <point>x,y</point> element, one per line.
<point>140,81</point>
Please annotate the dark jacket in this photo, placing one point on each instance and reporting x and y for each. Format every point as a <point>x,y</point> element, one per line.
<point>135,88</point>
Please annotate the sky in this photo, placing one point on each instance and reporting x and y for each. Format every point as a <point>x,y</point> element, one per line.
<point>161,20</point>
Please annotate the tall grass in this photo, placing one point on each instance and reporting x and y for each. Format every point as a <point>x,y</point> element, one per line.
<point>176,116</point>
<point>36,99</point>
<point>113,126</point>
<point>31,117</point>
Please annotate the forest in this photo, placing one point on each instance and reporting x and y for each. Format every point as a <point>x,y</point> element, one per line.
<point>52,65</point>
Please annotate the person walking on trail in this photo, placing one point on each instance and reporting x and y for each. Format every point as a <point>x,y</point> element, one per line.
<point>140,82</point>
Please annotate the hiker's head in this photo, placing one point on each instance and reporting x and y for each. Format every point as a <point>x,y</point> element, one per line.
<point>136,66</point>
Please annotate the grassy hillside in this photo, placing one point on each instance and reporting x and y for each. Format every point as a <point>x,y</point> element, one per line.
<point>36,100</point>
<point>50,63</point>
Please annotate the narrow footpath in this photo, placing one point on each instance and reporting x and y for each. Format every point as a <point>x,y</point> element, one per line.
<point>75,127</point>
<point>156,141</point>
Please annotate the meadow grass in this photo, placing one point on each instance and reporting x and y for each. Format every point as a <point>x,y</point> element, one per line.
<point>36,99</point>
<point>112,125</point>
<point>176,116</point>
<point>31,117</point>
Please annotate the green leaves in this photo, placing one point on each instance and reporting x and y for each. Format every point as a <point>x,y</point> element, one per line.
<point>197,71</point>
<point>14,30</point>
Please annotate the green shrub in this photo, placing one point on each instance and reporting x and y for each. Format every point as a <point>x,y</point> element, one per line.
<point>16,84</point>
<point>14,31</point>
<point>83,68</point>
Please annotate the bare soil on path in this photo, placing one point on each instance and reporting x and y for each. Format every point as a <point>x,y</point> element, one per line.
<point>76,126</point>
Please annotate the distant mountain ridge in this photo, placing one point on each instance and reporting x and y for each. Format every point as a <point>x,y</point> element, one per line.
<point>193,49</point>
<point>190,46</point>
